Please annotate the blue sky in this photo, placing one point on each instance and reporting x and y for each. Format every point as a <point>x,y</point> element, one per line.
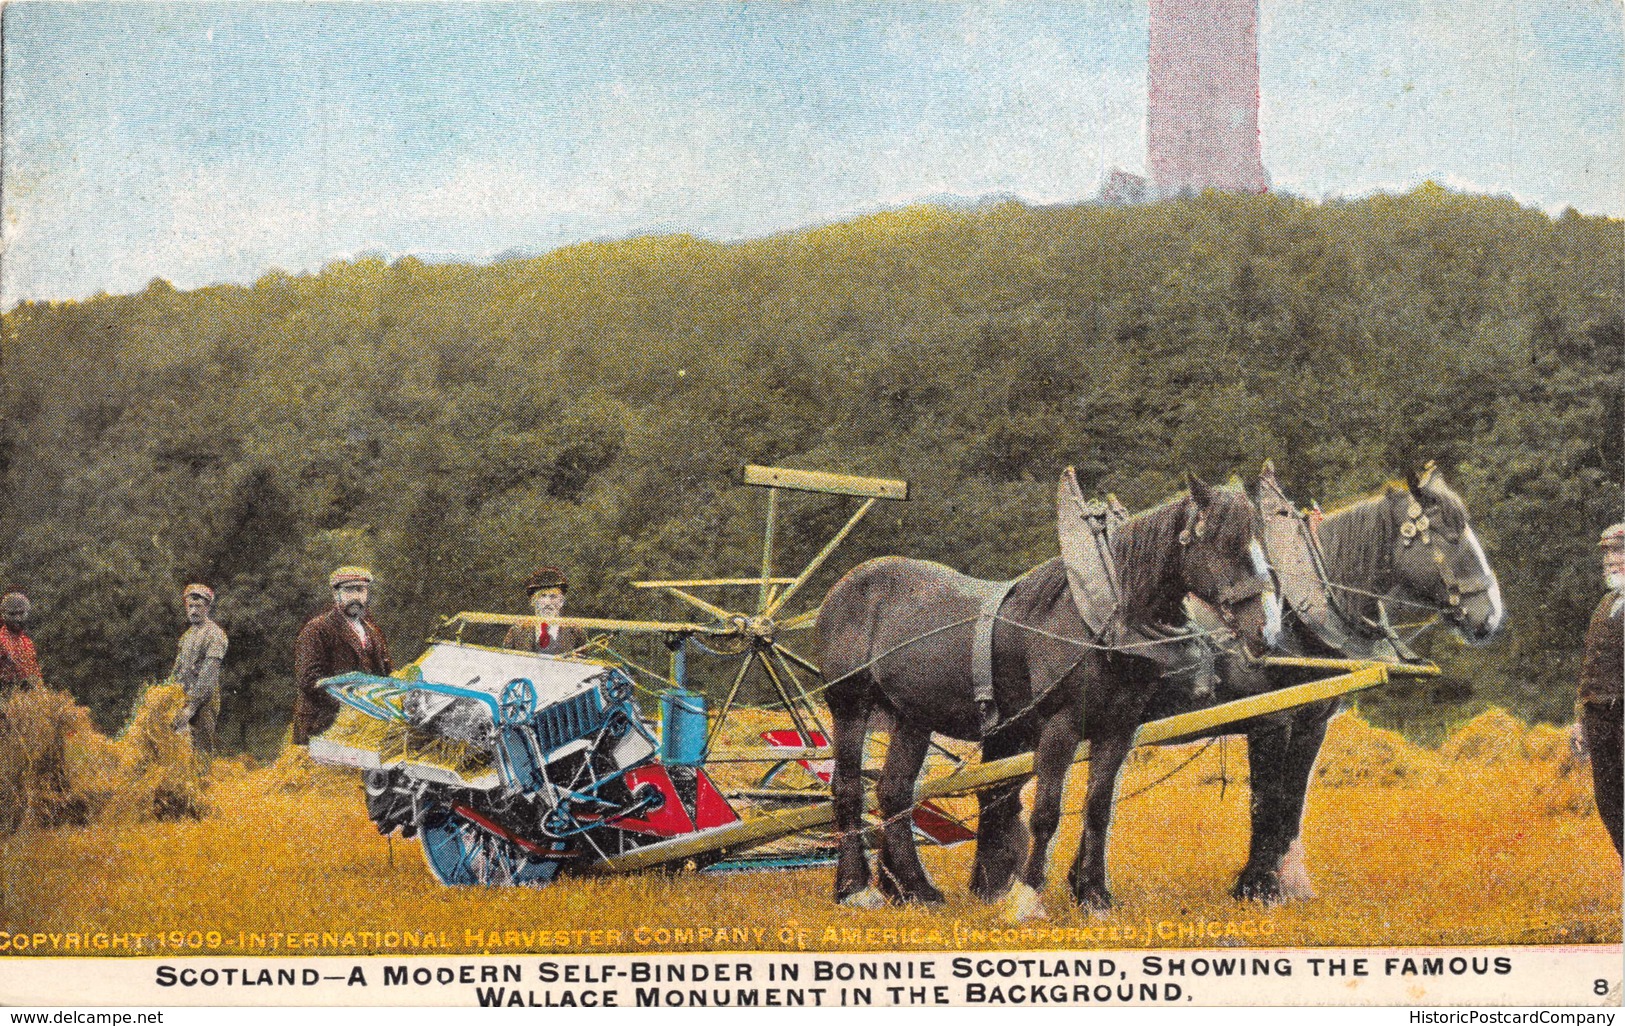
<point>204,143</point>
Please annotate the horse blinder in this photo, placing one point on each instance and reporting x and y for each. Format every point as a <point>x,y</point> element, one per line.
<point>1456,589</point>
<point>1194,531</point>
<point>1233,595</point>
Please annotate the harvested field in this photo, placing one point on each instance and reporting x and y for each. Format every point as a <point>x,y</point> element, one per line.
<point>1490,839</point>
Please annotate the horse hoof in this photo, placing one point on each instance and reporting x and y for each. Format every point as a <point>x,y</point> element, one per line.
<point>987,895</point>
<point>1022,903</point>
<point>1093,900</point>
<point>1263,888</point>
<point>1295,882</point>
<point>866,898</point>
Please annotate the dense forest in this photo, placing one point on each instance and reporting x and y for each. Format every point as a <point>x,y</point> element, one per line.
<point>453,426</point>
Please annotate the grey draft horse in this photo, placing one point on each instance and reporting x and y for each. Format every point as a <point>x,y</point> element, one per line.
<point>896,638</point>
<point>1409,545</point>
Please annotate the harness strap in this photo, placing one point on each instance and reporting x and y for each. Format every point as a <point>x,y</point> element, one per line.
<point>1455,587</point>
<point>981,653</point>
<point>1243,590</point>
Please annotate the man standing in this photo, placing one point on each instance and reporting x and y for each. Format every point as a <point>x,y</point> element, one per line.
<point>342,639</point>
<point>198,660</point>
<point>1601,685</point>
<point>19,663</point>
<point>546,588</point>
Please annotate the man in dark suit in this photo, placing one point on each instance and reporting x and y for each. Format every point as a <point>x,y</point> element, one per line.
<point>342,639</point>
<point>1601,685</point>
<point>546,588</point>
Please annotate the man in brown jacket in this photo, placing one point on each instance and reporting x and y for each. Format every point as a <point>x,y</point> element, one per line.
<point>1601,685</point>
<point>338,641</point>
<point>546,588</point>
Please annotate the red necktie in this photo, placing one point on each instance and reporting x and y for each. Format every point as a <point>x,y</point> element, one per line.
<point>543,638</point>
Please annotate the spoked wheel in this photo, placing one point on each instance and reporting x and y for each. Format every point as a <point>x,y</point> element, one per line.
<point>463,854</point>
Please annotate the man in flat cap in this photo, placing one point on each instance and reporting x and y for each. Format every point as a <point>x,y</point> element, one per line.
<point>340,640</point>
<point>1601,685</point>
<point>198,660</point>
<point>546,588</point>
<point>19,663</point>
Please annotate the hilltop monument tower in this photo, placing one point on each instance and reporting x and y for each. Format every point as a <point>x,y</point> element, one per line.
<point>1202,107</point>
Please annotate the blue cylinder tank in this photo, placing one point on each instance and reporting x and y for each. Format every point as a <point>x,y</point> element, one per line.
<point>682,727</point>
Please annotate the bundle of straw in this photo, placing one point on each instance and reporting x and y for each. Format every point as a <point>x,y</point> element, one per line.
<point>52,770</point>
<point>1358,754</point>
<point>163,777</point>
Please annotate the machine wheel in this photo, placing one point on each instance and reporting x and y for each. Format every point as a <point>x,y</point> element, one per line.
<point>518,701</point>
<point>463,854</point>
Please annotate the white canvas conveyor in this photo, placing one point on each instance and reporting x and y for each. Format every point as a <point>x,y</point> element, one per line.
<point>489,670</point>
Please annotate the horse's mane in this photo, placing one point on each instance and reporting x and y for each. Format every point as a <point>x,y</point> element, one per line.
<point>1146,547</point>
<point>1049,582</point>
<point>1358,543</point>
<point>1358,540</point>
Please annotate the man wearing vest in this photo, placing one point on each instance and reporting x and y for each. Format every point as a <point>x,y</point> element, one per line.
<point>546,588</point>
<point>198,660</point>
<point>1601,717</point>
<point>340,640</point>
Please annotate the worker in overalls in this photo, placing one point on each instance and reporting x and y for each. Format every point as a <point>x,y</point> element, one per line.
<point>199,659</point>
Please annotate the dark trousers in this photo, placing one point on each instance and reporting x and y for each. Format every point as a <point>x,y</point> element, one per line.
<point>1604,731</point>
<point>203,724</point>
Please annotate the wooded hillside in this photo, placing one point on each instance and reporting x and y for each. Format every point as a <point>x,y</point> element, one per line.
<point>454,426</point>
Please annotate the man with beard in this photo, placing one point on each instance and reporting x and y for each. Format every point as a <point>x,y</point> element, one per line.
<point>201,654</point>
<point>340,640</point>
<point>19,663</point>
<point>1601,685</point>
<point>546,588</point>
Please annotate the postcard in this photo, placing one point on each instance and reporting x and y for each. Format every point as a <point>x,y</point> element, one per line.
<point>582,505</point>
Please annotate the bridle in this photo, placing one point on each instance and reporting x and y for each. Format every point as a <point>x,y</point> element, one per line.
<point>1235,593</point>
<point>1416,529</point>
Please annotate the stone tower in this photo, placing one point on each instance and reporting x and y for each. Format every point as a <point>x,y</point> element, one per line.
<point>1202,109</point>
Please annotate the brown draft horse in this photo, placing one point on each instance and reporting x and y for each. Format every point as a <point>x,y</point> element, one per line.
<point>896,638</point>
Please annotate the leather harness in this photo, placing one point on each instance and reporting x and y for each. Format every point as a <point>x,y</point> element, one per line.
<point>1306,589</point>
<point>981,650</point>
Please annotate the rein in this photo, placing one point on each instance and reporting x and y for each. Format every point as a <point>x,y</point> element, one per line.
<point>1432,607</point>
<point>1194,632</point>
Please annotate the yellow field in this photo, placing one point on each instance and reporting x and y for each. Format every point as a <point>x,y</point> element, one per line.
<point>1490,839</point>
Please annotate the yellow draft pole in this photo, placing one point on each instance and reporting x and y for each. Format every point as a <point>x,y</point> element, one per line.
<point>590,623</point>
<point>712,582</point>
<point>761,829</point>
<point>1349,665</point>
